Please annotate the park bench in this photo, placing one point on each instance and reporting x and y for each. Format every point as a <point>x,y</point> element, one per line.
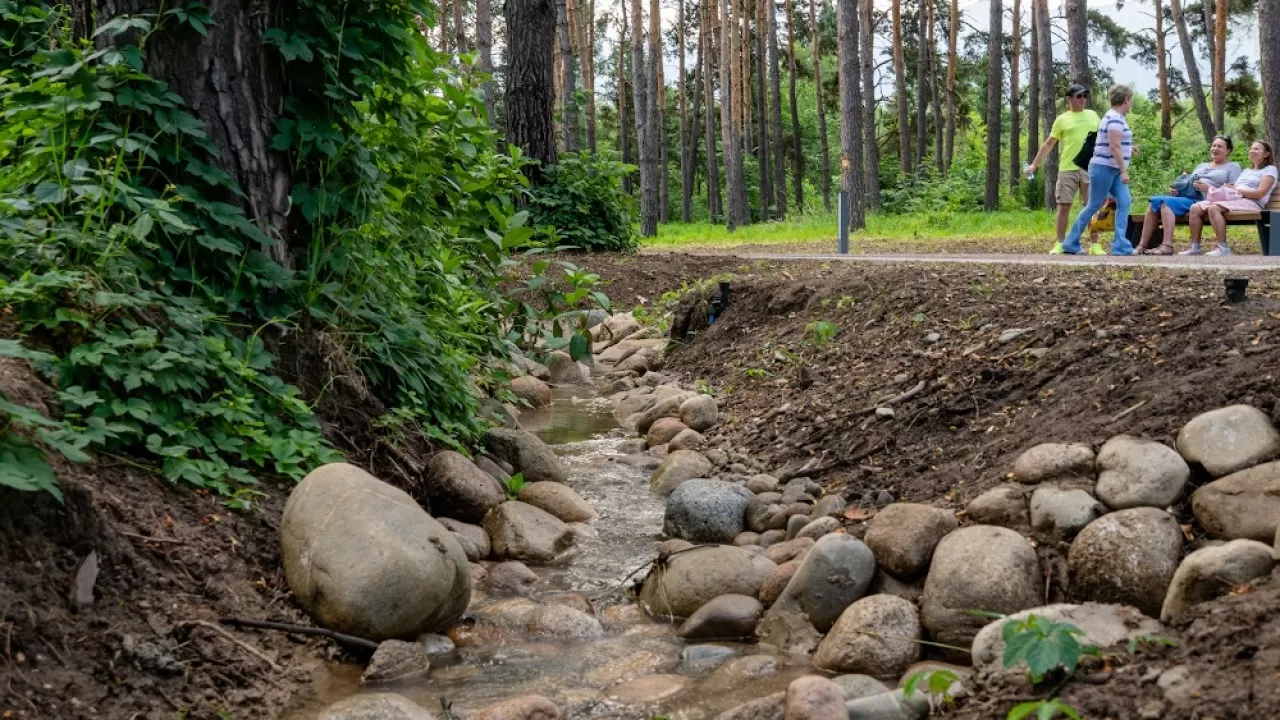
<point>1267,221</point>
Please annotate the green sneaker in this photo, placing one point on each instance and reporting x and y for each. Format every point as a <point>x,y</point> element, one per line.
<point>1096,249</point>
<point>1057,249</point>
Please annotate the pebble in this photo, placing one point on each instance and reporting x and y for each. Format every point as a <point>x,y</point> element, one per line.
<point>1012,334</point>
<point>885,413</point>
<point>932,337</point>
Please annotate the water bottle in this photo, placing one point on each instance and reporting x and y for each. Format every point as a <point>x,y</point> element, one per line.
<point>1027,171</point>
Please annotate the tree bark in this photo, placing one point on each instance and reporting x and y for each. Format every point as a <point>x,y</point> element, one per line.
<point>953,31</point>
<point>640,91</point>
<point>714,207</point>
<point>1033,95</point>
<point>900,88</point>
<point>764,150</point>
<point>739,213</point>
<point>530,91</point>
<point>1269,41</point>
<point>1210,41</point>
<point>1015,99</point>
<point>583,35</point>
<point>459,30</point>
<point>658,111</point>
<point>484,46</point>
<point>1162,76</point>
<point>797,168</point>
<point>568,103</point>
<point>922,88</point>
<point>870,145</point>
<point>814,45</point>
<point>624,115</point>
<point>1193,70</point>
<point>686,165</point>
<point>1044,45</point>
<point>935,87</point>
<point>995,67</point>
<point>1078,44</point>
<point>1220,64</point>
<point>775,102</point>
<point>851,163</point>
<point>444,26</point>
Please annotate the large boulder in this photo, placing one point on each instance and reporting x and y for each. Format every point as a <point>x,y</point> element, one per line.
<point>833,575</point>
<point>363,558</point>
<point>531,390</point>
<point>559,500</point>
<point>458,488</point>
<point>1102,625</point>
<point>699,412</point>
<point>1212,572</point>
<point>1137,473</point>
<point>978,568</point>
<point>689,580</point>
<point>814,697</point>
<point>520,531</point>
<point>877,636</point>
<point>1243,505</point>
<point>1229,439</point>
<point>1062,513</point>
<point>375,706</point>
<point>677,468</point>
<point>613,330</point>
<point>528,366</point>
<point>712,511</point>
<point>903,536</point>
<point>728,617</point>
<point>397,660</point>
<point>686,440</point>
<point>1004,506</point>
<point>1126,557</point>
<point>1054,461</point>
<point>564,371</point>
<point>526,453</point>
<point>663,431</point>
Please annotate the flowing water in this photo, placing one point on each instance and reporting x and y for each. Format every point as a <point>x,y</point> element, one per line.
<point>639,668</point>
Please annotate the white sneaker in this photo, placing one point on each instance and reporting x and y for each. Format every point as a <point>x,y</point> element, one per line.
<point>1193,250</point>
<point>1220,251</point>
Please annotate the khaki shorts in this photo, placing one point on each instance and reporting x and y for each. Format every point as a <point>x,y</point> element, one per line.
<point>1069,183</point>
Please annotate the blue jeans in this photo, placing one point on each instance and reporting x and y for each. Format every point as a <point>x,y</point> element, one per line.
<point>1103,181</point>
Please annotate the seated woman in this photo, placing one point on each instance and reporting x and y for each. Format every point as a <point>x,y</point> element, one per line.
<point>1165,209</point>
<point>1253,187</point>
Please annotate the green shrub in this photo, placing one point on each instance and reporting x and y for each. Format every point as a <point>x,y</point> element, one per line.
<point>581,204</point>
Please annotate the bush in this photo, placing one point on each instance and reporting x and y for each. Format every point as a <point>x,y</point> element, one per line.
<point>581,204</point>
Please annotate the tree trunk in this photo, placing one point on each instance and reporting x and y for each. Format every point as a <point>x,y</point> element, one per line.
<point>922,88</point>
<point>851,164</point>
<point>624,115</point>
<point>568,104</point>
<point>935,88</point>
<point>689,175</point>
<point>1044,46</point>
<point>645,130</point>
<point>764,151</point>
<point>870,145</point>
<point>995,67</point>
<point>1220,64</point>
<point>686,164</point>
<point>1162,76</point>
<point>814,44</point>
<point>444,26</point>
<point>797,169</point>
<point>530,92</point>
<point>582,33</point>
<point>1033,95</point>
<point>953,30</point>
<point>1210,41</point>
<point>1269,41</point>
<point>775,129</point>
<point>658,111</point>
<point>1193,70</point>
<point>900,88</point>
<point>739,213</point>
<point>459,30</point>
<point>484,46</point>
<point>742,30</point>
<point>714,208</point>
<point>1015,99</point>
<point>1078,43</point>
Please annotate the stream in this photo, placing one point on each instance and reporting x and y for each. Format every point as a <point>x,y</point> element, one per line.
<point>639,668</point>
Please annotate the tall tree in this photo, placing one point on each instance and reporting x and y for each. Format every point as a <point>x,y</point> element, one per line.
<point>645,129</point>
<point>459,30</point>
<point>1162,76</point>
<point>953,30</point>
<point>714,207</point>
<point>775,107</point>
<point>1219,64</point>
<point>444,26</point>
<point>738,212</point>
<point>1033,94</point>
<point>686,162</point>
<point>625,109</point>
<point>995,67</point>
<point>484,46</point>
<point>922,86</point>
<point>935,87</point>
<point>1078,43</point>
<point>568,103</point>
<point>1015,98</point>
<point>764,149</point>
<point>530,92</point>
<point>814,46</point>
<point>870,145</point>
<point>900,89</point>
<point>1192,67</point>
<point>658,112</point>
<point>583,30</point>
<point>1269,42</point>
<point>797,170</point>
<point>1044,65</point>
<point>851,167</point>
<point>1206,13</point>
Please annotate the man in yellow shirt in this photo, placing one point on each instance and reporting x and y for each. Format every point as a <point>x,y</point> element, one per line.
<point>1070,129</point>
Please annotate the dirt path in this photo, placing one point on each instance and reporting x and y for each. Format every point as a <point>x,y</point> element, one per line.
<point>1232,262</point>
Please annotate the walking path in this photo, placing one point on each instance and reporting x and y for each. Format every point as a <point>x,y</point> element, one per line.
<point>1244,263</point>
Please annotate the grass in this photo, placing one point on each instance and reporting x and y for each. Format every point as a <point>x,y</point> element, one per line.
<point>1008,231</point>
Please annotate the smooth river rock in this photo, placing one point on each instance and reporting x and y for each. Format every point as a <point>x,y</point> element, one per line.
<point>520,531</point>
<point>691,579</point>
<point>1137,473</point>
<point>1103,626</point>
<point>1054,461</point>
<point>877,636</point>
<point>558,499</point>
<point>1126,557</point>
<point>526,453</point>
<point>904,535</point>
<point>1212,572</point>
<point>711,511</point>
<point>724,618</point>
<point>1244,505</point>
<point>676,468</point>
<point>1229,439</point>
<point>458,488</point>
<point>834,573</point>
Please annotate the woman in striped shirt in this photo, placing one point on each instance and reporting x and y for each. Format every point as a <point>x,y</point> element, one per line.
<point>1109,174</point>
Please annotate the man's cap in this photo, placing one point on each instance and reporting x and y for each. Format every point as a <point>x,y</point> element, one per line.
<point>1075,90</point>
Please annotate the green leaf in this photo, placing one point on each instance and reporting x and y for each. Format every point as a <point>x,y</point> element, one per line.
<point>47,193</point>
<point>14,349</point>
<point>1023,710</point>
<point>579,346</point>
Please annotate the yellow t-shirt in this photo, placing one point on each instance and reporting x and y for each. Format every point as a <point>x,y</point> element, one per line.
<point>1071,129</point>
<point>1104,221</point>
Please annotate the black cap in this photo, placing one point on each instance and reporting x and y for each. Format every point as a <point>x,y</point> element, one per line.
<point>1075,90</point>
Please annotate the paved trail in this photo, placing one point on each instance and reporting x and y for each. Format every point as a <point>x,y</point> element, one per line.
<point>1243,263</point>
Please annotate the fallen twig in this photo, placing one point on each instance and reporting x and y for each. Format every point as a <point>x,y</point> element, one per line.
<point>150,538</point>
<point>237,641</point>
<point>349,640</point>
<point>1127,411</point>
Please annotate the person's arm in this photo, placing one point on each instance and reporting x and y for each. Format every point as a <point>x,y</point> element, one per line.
<point>1049,142</point>
<point>1261,191</point>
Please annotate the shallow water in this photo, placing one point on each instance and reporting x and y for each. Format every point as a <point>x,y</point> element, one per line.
<point>598,678</point>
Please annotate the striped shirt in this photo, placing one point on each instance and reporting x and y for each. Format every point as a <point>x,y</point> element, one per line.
<point>1112,122</point>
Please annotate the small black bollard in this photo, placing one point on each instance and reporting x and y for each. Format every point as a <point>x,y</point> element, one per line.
<point>1236,287</point>
<point>724,294</point>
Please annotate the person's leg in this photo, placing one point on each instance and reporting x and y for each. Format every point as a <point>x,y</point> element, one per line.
<point>1064,214</point>
<point>1148,227</point>
<point>1195,218</point>
<point>1064,193</point>
<point>1168,220</point>
<point>1120,191</point>
<point>1218,219</point>
<point>1099,182</point>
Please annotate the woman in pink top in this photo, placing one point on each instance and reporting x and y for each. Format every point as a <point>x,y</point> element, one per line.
<point>1250,193</point>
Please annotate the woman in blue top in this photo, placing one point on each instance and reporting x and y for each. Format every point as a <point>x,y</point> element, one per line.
<point>1109,174</point>
<point>1166,209</point>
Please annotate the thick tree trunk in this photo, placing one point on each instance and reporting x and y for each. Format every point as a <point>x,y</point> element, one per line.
<point>764,150</point>
<point>645,125</point>
<point>851,167</point>
<point>1193,70</point>
<point>530,91</point>
<point>922,88</point>
<point>714,207</point>
<point>1162,76</point>
<point>739,212</point>
<point>797,168</point>
<point>900,88</point>
<point>658,111</point>
<point>444,26</point>
<point>1269,41</point>
<point>775,129</point>
<point>625,109</point>
<point>1078,43</point>
<point>995,68</point>
<point>1044,45</point>
<point>582,32</point>
<point>1210,41</point>
<point>459,30</point>
<point>1033,95</point>
<point>1220,64</point>
<point>953,30</point>
<point>746,93</point>
<point>825,176</point>
<point>1015,98</point>
<point>690,175</point>
<point>686,164</point>
<point>870,145</point>
<point>568,85</point>
<point>484,46</point>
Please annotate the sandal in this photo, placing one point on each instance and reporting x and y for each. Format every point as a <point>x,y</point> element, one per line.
<point>1161,250</point>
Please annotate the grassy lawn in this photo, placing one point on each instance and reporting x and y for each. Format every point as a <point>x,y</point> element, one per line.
<point>1012,231</point>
